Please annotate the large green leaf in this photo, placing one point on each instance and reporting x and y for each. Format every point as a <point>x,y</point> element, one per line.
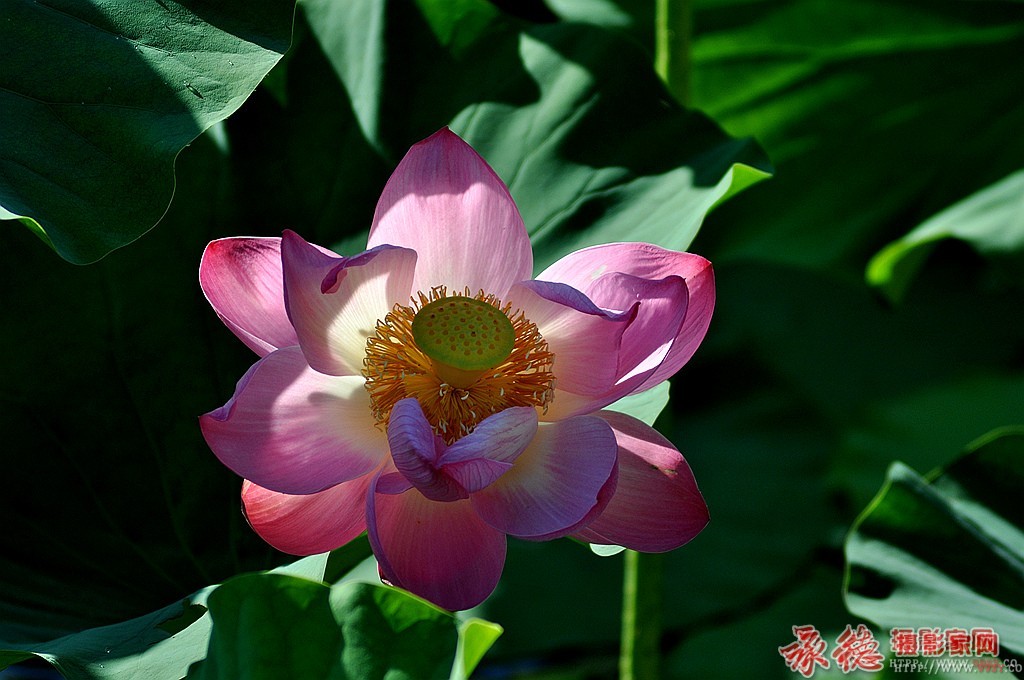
<point>98,98</point>
<point>274,626</point>
<point>540,103</point>
<point>991,221</point>
<point>947,549</point>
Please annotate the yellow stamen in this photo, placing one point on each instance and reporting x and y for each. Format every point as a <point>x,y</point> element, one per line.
<point>455,393</point>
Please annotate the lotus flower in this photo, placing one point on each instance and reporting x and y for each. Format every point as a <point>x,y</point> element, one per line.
<point>429,392</point>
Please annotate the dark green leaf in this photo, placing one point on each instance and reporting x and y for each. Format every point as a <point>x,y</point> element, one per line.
<point>872,111</point>
<point>98,98</point>
<point>946,550</point>
<point>926,426</point>
<point>271,627</point>
<point>108,478</point>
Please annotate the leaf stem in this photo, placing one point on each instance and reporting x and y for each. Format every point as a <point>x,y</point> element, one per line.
<point>673,29</point>
<point>640,654</point>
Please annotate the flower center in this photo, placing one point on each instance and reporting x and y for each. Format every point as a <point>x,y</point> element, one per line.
<point>464,337</point>
<point>463,357</point>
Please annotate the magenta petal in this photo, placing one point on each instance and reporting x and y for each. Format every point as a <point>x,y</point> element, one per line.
<point>416,450</point>
<point>393,483</point>
<point>242,279</point>
<point>582,269</point>
<point>293,430</point>
<point>444,473</point>
<point>555,483</point>
<point>476,474</point>
<point>440,551</point>
<point>656,506</point>
<point>501,436</point>
<point>584,338</point>
<point>649,340</point>
<point>308,524</point>
<point>334,303</point>
<point>479,458</point>
<point>645,260</point>
<point>445,202</point>
<point>603,498</point>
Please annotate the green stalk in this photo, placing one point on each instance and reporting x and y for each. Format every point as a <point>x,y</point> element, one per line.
<point>642,589</point>
<point>640,654</point>
<point>673,29</point>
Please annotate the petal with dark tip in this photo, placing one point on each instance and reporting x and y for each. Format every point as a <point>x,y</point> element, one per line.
<point>657,506</point>
<point>416,450</point>
<point>243,281</point>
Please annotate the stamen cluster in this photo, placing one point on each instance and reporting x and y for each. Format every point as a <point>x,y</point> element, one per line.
<point>395,368</point>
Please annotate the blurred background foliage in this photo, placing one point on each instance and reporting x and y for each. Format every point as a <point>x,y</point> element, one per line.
<point>877,117</point>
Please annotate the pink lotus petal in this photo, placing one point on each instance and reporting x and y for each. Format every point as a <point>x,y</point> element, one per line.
<point>393,483</point>
<point>242,279</point>
<point>584,268</point>
<point>501,436</point>
<point>604,496</point>
<point>416,450</point>
<point>308,524</point>
<point>584,338</point>
<point>334,303</point>
<point>481,457</point>
<point>444,473</point>
<point>648,341</point>
<point>478,473</point>
<point>656,506</point>
<point>440,551</point>
<point>555,483</point>
<point>445,202</point>
<point>292,430</point>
